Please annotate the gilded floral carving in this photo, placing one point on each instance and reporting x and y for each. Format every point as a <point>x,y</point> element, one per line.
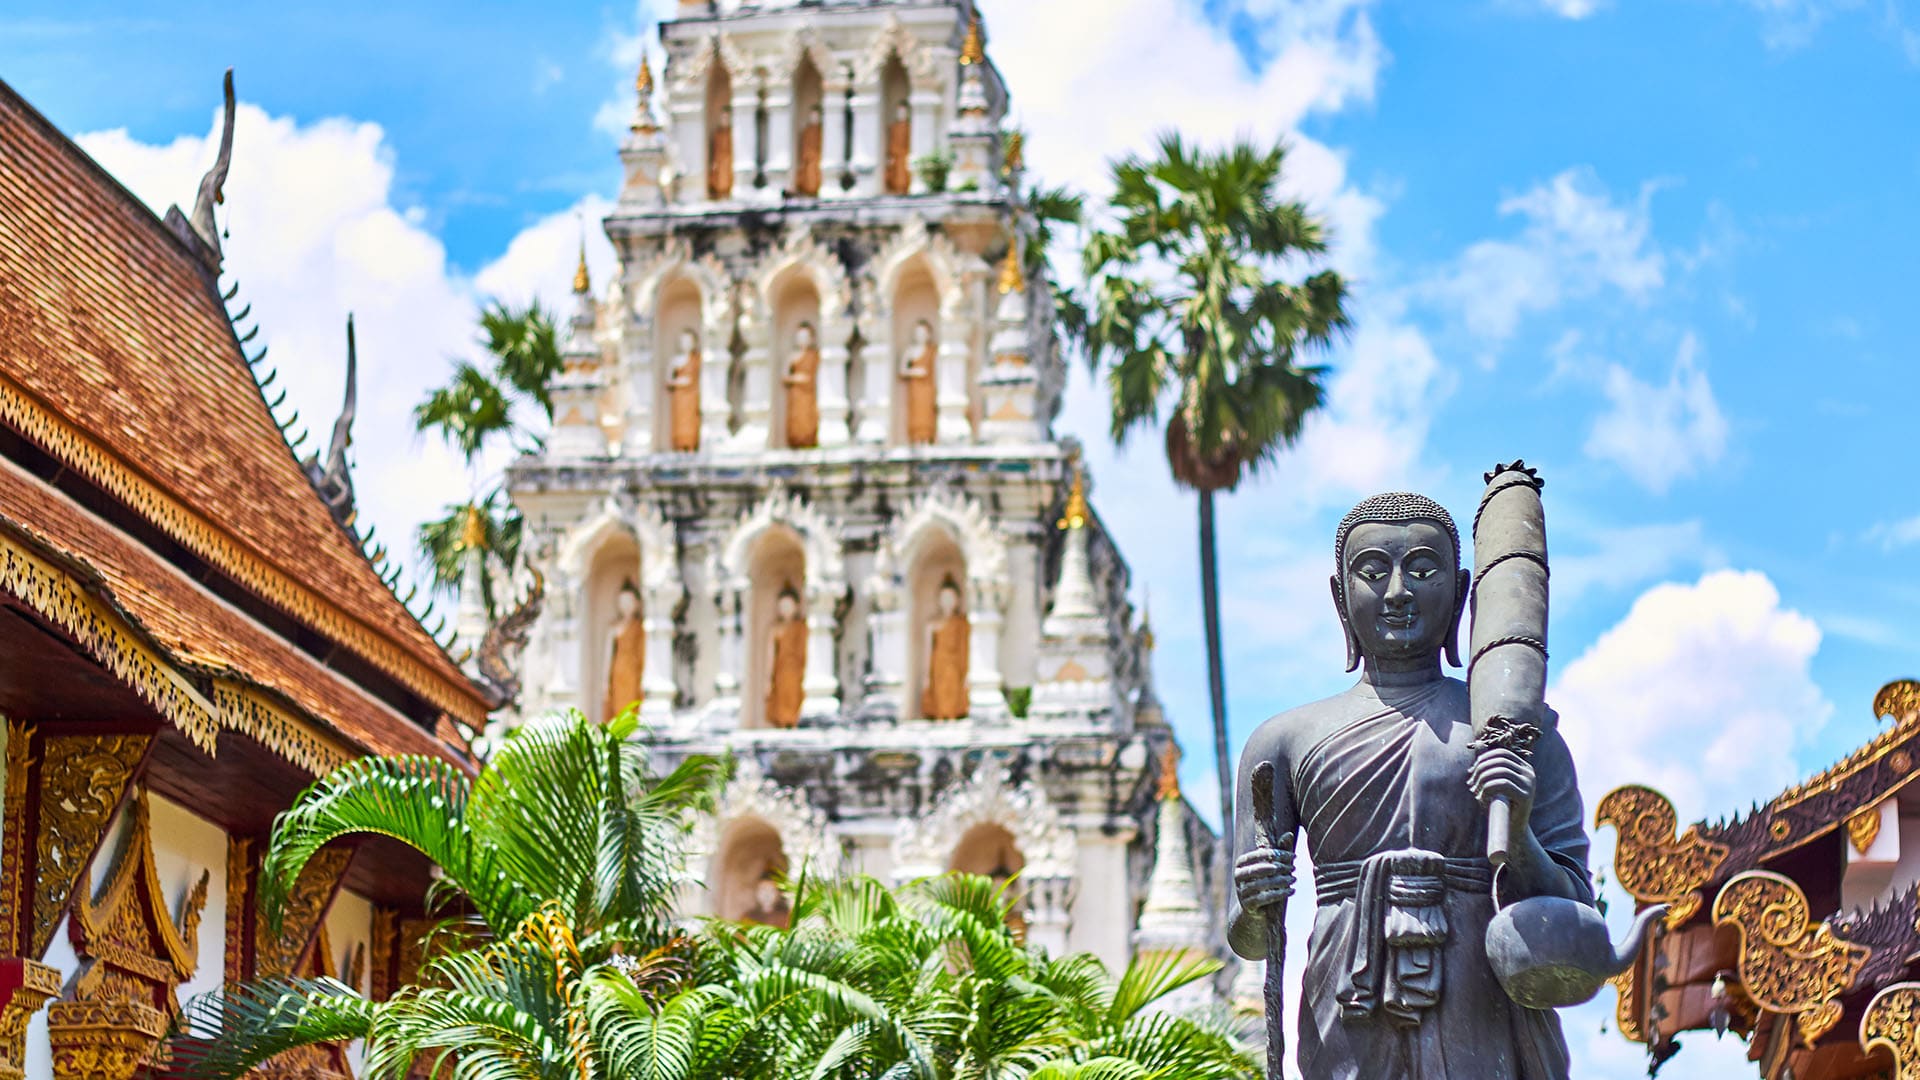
<point>306,903</point>
<point>1653,862</point>
<point>1892,1022</point>
<point>1787,964</point>
<point>33,986</point>
<point>1863,829</point>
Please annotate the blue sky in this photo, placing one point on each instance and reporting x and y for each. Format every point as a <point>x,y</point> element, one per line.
<point>1660,249</point>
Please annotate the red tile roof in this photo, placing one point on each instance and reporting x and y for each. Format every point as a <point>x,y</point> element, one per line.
<point>117,358</point>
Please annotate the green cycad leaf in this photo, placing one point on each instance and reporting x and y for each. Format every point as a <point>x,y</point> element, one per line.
<point>227,1034</point>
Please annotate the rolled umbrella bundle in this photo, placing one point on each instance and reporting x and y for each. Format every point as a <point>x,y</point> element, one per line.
<point>1507,668</point>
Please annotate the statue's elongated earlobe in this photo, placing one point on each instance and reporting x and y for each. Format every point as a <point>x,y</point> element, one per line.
<point>1459,609</point>
<point>1346,626</point>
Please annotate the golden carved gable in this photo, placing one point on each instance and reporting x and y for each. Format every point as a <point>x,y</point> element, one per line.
<point>1788,964</point>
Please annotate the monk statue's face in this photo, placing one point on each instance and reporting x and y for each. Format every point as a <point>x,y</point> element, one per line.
<point>900,112</point>
<point>803,337</point>
<point>787,607</point>
<point>627,604</point>
<point>949,600</point>
<point>1402,591</point>
<point>687,341</point>
<point>922,333</point>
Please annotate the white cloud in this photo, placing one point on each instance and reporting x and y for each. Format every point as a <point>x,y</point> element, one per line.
<point>1576,241</point>
<point>1895,534</point>
<point>1703,691</point>
<point>1659,434</point>
<point>315,231</point>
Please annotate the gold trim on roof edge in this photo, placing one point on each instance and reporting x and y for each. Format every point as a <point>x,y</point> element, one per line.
<point>103,467</point>
<point>112,641</point>
<point>1894,699</point>
<point>1788,963</point>
<point>1892,1020</point>
<point>1653,861</point>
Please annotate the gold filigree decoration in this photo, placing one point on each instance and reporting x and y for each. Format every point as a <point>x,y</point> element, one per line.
<point>135,959</point>
<point>106,637</point>
<point>240,888</point>
<point>112,642</point>
<point>1892,1021</point>
<point>386,924</point>
<point>13,905</point>
<point>34,984</point>
<point>1863,829</point>
<point>1788,965</point>
<point>81,780</point>
<point>185,525</point>
<point>280,954</point>
<point>1899,699</point>
<point>1624,1015</point>
<point>1652,862</point>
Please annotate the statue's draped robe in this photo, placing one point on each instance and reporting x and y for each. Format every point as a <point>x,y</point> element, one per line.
<point>683,391</point>
<point>923,417</point>
<point>806,174</point>
<point>786,686</point>
<point>1397,985</point>
<point>628,663</point>
<point>803,400</point>
<point>945,697</point>
<point>899,152</point>
<point>720,163</point>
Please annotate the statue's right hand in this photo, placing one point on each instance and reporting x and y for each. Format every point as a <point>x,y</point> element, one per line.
<point>1263,877</point>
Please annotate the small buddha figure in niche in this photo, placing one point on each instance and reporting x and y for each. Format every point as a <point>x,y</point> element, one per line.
<point>628,653</point>
<point>900,152</point>
<point>803,391</point>
<point>787,669</point>
<point>806,171</point>
<point>770,904</point>
<point>916,369</point>
<point>945,697</point>
<point>720,155</point>
<point>683,393</point>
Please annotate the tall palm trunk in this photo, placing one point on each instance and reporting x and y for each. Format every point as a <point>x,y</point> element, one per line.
<point>1216,686</point>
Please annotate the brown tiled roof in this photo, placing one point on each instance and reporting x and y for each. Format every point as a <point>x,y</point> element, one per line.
<point>196,631</point>
<point>116,357</point>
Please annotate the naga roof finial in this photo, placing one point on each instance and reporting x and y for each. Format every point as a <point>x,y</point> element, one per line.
<point>335,481</point>
<point>213,183</point>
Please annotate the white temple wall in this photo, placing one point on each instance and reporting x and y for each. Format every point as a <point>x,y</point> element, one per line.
<point>1020,640</point>
<point>349,925</point>
<point>1103,905</point>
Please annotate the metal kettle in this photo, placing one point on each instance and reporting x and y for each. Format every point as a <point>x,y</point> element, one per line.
<point>1549,952</point>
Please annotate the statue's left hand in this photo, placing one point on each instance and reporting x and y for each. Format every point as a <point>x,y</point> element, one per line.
<point>1503,774</point>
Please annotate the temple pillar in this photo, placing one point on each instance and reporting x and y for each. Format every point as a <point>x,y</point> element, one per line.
<point>1049,918</point>
<point>950,379</point>
<point>688,122</point>
<point>725,709</point>
<point>716,410</point>
<point>780,151</point>
<point>868,150</point>
<point>886,681</point>
<point>821,685</point>
<point>25,985</point>
<point>756,393</point>
<point>986,695</point>
<point>562,689</point>
<point>924,103</point>
<point>878,363</point>
<point>746,139</point>
<point>833,137</point>
<point>1103,918</point>
<point>832,385</point>
<point>657,690</point>
<point>637,366</point>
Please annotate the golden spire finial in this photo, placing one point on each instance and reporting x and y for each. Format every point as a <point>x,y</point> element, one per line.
<point>974,51</point>
<point>1146,622</point>
<point>643,82</point>
<point>1075,515</point>
<point>1170,772</point>
<point>582,284</point>
<point>1012,277</point>
<point>1013,150</point>
<point>643,122</point>
<point>473,531</point>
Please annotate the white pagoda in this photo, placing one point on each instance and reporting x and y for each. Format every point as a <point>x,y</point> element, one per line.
<point>804,503</point>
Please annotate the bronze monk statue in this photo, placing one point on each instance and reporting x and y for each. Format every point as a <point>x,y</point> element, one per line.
<point>1392,791</point>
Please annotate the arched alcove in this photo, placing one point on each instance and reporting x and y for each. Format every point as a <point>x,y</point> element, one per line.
<point>990,850</point>
<point>895,94</point>
<point>746,871</point>
<point>916,299</point>
<point>777,562</point>
<point>809,94</point>
<point>933,558</point>
<point>677,310</point>
<point>615,562</point>
<point>719,107</point>
<point>796,302</point>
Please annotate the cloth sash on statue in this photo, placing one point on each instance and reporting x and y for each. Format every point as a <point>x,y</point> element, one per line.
<point>1398,928</point>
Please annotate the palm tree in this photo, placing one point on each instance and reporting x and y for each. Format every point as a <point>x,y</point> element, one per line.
<point>562,854</point>
<point>1189,304</point>
<point>474,411</point>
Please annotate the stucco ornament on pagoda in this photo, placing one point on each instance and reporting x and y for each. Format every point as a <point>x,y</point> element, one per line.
<point>751,795</point>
